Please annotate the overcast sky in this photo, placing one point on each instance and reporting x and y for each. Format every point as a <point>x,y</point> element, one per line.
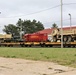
<point>12,10</point>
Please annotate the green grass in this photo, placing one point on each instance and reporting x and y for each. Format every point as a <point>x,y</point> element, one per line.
<point>65,56</point>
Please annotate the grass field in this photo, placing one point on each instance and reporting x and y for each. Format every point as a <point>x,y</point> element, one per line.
<point>65,56</point>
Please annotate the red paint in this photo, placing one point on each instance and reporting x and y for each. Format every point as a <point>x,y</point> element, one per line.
<point>36,37</point>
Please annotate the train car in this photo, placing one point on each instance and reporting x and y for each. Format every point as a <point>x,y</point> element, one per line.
<point>36,37</point>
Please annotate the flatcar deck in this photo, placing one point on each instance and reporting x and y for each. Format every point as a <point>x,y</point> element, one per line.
<point>69,44</point>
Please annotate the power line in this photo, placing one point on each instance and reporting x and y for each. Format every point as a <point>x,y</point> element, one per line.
<point>57,21</point>
<point>69,3</point>
<point>34,12</point>
<point>54,21</point>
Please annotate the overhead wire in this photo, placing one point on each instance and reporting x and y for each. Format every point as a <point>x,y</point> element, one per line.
<point>69,3</point>
<point>34,12</point>
<point>56,21</point>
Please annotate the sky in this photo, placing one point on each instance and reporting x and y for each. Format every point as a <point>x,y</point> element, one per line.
<point>46,11</point>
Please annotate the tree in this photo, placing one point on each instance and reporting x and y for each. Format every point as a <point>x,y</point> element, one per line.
<point>11,29</point>
<point>54,25</point>
<point>19,24</point>
<point>26,26</point>
<point>37,26</point>
<point>30,26</point>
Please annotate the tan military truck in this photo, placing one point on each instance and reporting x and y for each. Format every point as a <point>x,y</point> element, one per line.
<point>69,34</point>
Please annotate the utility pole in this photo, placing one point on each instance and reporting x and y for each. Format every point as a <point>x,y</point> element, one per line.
<point>61,24</point>
<point>70,21</point>
<point>21,30</point>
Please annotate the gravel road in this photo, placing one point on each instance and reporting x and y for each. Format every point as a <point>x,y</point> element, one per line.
<point>11,66</point>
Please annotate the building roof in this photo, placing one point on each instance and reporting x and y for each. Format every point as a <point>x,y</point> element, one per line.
<point>67,28</point>
<point>49,30</point>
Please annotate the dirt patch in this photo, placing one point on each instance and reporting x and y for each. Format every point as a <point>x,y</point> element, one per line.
<point>11,66</point>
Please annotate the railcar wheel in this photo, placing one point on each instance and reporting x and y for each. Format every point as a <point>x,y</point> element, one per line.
<point>50,46</point>
<point>22,45</point>
<point>26,45</point>
<point>30,45</point>
<point>42,45</point>
<point>5,45</point>
<point>11,45</point>
<point>46,45</point>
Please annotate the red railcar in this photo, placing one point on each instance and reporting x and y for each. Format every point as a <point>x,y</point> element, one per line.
<point>36,37</point>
